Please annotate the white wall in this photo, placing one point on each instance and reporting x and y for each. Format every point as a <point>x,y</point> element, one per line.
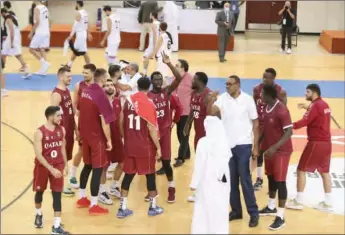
<point>313,16</point>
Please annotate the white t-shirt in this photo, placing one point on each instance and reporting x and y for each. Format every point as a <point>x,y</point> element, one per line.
<point>237,117</point>
<point>133,83</point>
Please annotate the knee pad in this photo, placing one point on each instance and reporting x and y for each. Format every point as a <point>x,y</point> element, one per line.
<point>126,182</point>
<point>282,190</point>
<point>56,201</point>
<point>260,159</point>
<point>38,197</point>
<point>151,182</point>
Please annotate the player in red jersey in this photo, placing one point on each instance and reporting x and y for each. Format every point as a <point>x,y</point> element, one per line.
<point>116,155</point>
<point>317,152</point>
<point>62,97</point>
<point>95,115</point>
<point>161,98</point>
<point>50,163</point>
<point>277,147</point>
<point>197,111</point>
<point>139,128</point>
<point>88,71</point>
<point>268,78</point>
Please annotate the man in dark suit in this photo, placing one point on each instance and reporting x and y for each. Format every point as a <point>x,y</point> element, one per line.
<point>144,19</point>
<point>225,20</point>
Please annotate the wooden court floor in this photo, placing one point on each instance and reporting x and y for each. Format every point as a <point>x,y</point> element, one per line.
<point>22,113</point>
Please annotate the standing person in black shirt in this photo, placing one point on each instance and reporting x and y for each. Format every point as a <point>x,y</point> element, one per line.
<point>288,16</point>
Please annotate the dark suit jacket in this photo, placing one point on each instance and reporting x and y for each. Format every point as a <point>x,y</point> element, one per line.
<point>145,10</point>
<point>221,18</point>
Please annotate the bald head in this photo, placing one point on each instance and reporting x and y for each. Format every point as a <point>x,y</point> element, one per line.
<point>226,5</point>
<point>288,3</point>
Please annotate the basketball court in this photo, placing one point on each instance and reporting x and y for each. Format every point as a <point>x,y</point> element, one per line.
<point>23,111</point>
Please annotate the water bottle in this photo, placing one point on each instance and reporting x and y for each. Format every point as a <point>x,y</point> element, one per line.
<point>99,19</point>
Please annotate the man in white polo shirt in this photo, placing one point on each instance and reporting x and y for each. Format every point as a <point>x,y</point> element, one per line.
<point>240,119</point>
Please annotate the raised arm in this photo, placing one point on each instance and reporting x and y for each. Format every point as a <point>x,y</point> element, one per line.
<point>212,109</point>
<point>178,78</point>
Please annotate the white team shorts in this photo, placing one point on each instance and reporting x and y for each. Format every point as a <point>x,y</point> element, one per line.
<point>112,48</point>
<point>40,41</point>
<point>8,51</point>
<point>80,43</point>
<point>149,50</point>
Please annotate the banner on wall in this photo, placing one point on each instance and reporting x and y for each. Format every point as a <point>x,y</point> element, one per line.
<point>314,192</point>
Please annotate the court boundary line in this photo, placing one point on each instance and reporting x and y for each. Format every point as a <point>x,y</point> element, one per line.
<point>30,184</point>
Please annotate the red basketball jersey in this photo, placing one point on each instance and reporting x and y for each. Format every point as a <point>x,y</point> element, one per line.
<point>260,105</point>
<point>52,145</point>
<point>162,103</point>
<point>82,86</point>
<point>274,122</point>
<point>68,121</point>
<point>114,126</point>
<point>137,139</point>
<point>198,107</point>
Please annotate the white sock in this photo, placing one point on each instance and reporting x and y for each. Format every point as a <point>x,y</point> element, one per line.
<point>42,60</point>
<point>81,193</point>
<point>271,203</point>
<point>102,188</point>
<point>153,202</point>
<point>69,64</point>
<point>299,197</point>
<point>259,172</point>
<point>57,222</point>
<point>93,201</point>
<point>123,203</point>
<point>38,211</point>
<point>280,212</point>
<point>116,184</point>
<point>171,184</point>
<point>328,198</point>
<point>73,171</point>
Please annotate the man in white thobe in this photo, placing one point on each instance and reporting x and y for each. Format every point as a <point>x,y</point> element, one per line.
<point>171,17</point>
<point>211,181</point>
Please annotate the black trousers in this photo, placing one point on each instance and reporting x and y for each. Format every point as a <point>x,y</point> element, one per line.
<point>286,31</point>
<point>184,149</point>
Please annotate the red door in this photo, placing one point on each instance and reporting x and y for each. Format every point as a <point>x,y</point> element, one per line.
<point>264,12</point>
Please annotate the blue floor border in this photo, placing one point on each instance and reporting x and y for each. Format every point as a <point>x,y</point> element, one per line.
<point>294,88</point>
